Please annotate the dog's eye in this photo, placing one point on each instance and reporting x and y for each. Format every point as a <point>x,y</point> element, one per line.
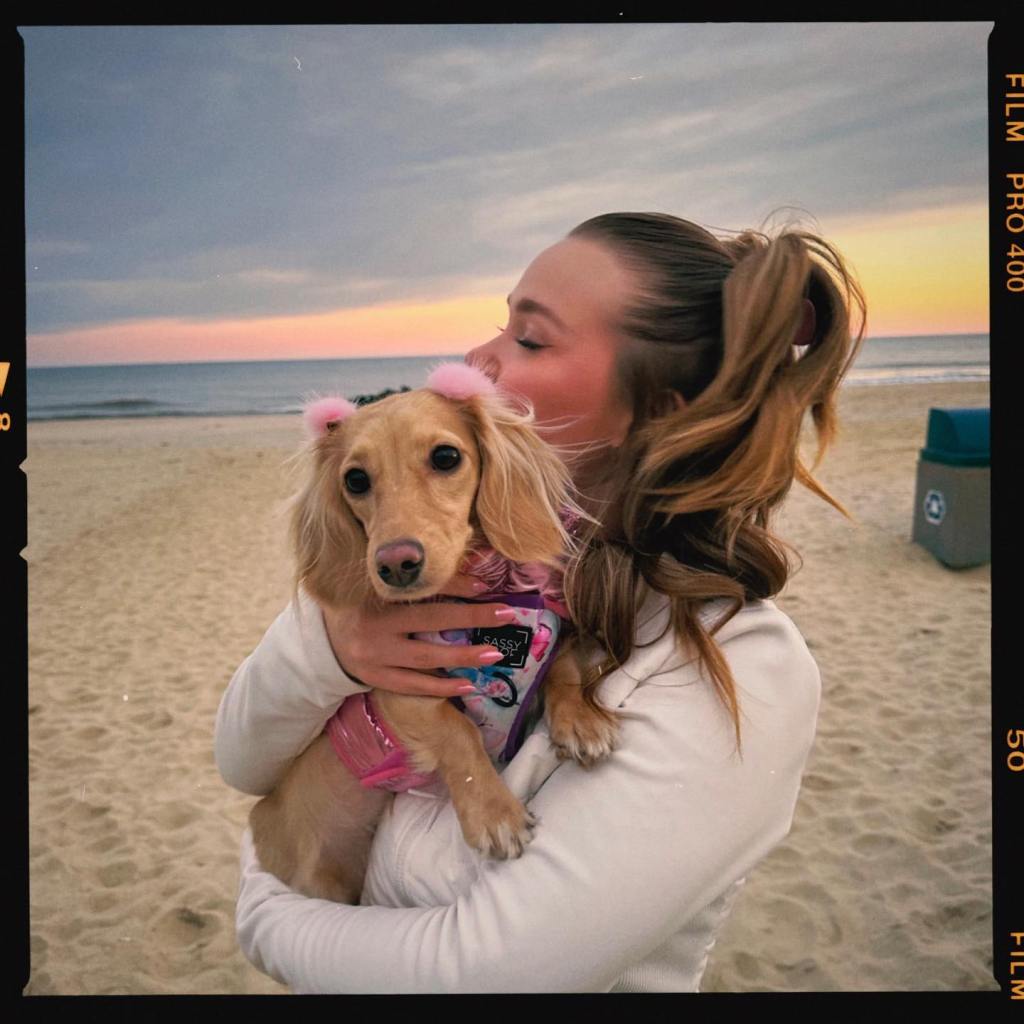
<point>444,456</point>
<point>357,482</point>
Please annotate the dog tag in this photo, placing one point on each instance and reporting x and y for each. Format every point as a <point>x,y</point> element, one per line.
<point>513,641</point>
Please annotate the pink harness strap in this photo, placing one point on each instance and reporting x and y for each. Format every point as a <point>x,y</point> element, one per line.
<point>368,748</point>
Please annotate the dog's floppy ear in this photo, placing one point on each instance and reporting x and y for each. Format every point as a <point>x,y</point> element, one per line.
<point>328,541</point>
<point>523,484</point>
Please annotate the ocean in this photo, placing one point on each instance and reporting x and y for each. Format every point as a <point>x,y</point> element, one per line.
<point>284,386</point>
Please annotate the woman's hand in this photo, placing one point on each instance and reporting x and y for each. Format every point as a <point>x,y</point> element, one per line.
<point>373,646</point>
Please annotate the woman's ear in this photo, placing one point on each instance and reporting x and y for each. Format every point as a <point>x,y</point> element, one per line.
<point>523,484</point>
<point>328,541</point>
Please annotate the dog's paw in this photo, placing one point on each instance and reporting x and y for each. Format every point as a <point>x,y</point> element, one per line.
<point>582,734</point>
<point>501,828</point>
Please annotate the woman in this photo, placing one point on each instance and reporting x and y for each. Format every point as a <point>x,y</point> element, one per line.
<point>677,367</point>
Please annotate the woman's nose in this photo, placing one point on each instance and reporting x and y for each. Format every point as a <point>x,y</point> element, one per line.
<point>482,358</point>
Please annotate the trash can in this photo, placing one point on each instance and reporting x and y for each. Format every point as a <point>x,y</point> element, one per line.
<point>952,502</point>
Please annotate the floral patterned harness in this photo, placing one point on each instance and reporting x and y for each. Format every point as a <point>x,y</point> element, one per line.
<point>506,692</point>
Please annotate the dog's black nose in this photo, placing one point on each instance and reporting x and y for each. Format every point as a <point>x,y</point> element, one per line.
<point>399,563</point>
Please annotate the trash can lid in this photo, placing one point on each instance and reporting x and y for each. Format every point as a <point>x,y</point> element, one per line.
<point>957,437</point>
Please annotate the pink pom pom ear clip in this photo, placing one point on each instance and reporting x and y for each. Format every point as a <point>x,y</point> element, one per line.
<point>459,381</point>
<point>324,414</point>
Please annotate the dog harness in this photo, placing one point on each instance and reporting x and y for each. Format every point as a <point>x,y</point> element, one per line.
<point>506,693</point>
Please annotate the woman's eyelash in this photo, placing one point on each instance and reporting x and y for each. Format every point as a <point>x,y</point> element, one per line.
<point>530,346</point>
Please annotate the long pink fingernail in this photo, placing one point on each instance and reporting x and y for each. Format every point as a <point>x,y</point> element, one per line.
<point>490,657</point>
<point>467,689</point>
<point>479,587</point>
<point>505,614</point>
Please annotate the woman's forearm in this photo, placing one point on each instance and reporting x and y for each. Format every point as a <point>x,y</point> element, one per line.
<point>278,700</point>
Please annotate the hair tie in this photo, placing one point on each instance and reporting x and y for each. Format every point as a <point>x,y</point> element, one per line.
<point>808,322</point>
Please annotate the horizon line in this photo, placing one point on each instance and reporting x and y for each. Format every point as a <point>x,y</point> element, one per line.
<point>378,358</point>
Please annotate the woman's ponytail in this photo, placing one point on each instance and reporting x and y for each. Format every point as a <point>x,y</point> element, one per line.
<point>752,332</point>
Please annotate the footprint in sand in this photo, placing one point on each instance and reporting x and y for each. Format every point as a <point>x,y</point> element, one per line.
<point>160,720</point>
<point>747,966</point>
<point>173,816</point>
<point>933,824</point>
<point>813,781</point>
<point>81,812</point>
<point>945,760</point>
<point>800,933</point>
<point>785,856</point>
<point>955,915</point>
<point>851,702</point>
<point>876,843</point>
<point>865,801</point>
<point>70,930</point>
<point>837,824</point>
<point>101,901</point>
<point>91,733</point>
<point>806,975</point>
<point>119,873</point>
<point>106,843</point>
<point>185,926</point>
<point>965,852</point>
<point>903,893</point>
<point>850,749</point>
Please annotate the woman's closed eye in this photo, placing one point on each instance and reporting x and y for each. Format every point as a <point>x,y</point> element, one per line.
<point>530,346</point>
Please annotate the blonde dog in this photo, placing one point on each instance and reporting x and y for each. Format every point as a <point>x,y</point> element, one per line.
<point>400,492</point>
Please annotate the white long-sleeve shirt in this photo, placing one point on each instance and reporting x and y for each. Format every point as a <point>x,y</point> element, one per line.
<point>634,864</point>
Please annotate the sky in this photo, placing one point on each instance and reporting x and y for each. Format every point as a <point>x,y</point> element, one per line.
<point>279,192</point>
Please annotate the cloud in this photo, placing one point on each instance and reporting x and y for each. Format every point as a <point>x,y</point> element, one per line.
<point>41,249</point>
<point>272,276</point>
<point>198,172</point>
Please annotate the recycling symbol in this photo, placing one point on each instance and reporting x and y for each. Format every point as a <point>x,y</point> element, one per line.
<point>934,507</point>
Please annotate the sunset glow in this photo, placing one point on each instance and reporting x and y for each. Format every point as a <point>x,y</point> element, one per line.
<point>193,194</point>
<point>446,327</point>
<point>923,272</point>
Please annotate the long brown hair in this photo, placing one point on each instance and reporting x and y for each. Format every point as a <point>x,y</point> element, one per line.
<point>687,501</point>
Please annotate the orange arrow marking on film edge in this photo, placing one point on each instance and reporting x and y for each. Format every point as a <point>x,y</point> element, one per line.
<point>4,367</point>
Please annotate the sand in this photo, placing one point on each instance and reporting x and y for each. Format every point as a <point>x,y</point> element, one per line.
<point>157,560</point>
